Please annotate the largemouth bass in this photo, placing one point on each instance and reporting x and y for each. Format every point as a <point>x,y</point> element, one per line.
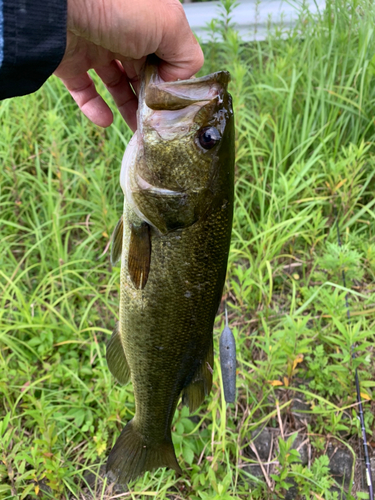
<point>173,240</point>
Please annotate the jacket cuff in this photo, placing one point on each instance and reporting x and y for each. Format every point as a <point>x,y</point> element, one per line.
<point>34,41</point>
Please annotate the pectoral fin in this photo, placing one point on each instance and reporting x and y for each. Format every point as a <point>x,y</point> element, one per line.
<point>116,358</point>
<point>139,258</point>
<point>117,242</point>
<point>194,394</point>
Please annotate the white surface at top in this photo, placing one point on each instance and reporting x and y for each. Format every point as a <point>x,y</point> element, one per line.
<point>252,19</point>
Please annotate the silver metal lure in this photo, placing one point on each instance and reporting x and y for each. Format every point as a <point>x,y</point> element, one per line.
<point>228,362</point>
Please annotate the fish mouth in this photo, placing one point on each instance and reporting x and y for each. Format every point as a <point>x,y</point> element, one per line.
<point>160,95</point>
<point>170,108</point>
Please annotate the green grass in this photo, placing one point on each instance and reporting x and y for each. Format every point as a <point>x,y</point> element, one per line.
<point>305,144</point>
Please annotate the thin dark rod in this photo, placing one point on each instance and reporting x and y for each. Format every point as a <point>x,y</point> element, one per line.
<point>359,401</point>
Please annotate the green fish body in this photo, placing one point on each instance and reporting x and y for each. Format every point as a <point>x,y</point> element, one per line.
<point>173,241</point>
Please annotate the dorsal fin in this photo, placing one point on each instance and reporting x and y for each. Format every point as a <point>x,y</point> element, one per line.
<point>194,394</point>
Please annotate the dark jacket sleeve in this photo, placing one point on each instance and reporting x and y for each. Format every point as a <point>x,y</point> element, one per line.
<point>32,43</point>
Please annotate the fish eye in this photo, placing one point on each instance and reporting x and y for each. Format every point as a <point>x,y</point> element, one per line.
<point>208,137</point>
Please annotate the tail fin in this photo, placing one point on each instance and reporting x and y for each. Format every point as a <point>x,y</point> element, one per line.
<point>133,455</point>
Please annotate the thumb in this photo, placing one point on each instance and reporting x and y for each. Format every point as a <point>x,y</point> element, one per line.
<point>180,53</point>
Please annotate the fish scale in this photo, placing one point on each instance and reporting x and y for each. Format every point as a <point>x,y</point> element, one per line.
<point>174,248</point>
<point>166,322</point>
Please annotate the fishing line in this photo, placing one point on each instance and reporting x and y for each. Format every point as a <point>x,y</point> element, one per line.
<point>359,402</point>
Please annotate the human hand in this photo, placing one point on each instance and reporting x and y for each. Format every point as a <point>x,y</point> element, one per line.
<point>114,37</point>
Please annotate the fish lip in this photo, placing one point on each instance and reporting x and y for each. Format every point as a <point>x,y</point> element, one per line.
<point>157,94</point>
<point>220,77</point>
<point>180,94</point>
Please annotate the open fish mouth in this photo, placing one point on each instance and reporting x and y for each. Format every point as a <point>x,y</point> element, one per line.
<point>170,108</point>
<point>158,94</point>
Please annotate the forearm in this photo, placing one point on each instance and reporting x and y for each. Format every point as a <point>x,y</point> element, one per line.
<point>32,43</point>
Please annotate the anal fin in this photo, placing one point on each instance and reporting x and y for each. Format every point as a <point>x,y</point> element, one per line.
<point>133,454</point>
<point>193,394</point>
<point>116,358</point>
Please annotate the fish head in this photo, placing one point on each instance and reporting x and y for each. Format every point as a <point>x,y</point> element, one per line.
<point>181,158</point>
